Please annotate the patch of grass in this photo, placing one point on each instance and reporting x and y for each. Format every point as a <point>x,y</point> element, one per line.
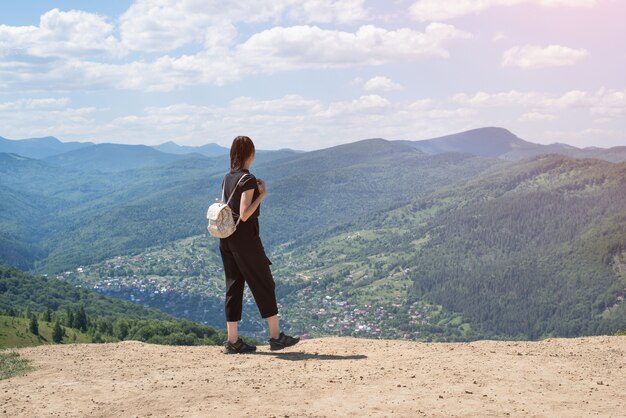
<point>14,333</point>
<point>11,364</point>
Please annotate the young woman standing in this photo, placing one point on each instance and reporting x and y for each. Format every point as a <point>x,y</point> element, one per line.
<point>243,254</point>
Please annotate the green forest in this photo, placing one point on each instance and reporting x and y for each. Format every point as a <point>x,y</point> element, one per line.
<point>374,238</point>
<point>528,251</point>
<point>38,310</point>
<point>120,213</point>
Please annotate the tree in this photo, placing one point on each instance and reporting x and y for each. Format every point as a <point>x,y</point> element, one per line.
<point>69,317</point>
<point>57,332</point>
<point>80,319</point>
<point>47,315</point>
<point>120,329</point>
<point>34,325</point>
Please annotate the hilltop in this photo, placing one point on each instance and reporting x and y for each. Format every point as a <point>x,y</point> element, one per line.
<point>323,378</point>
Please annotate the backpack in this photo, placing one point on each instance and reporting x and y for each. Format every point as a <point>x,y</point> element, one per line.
<point>220,215</point>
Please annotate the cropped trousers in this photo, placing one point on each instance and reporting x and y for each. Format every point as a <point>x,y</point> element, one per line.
<point>244,262</point>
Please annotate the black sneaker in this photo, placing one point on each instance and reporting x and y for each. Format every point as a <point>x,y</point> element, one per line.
<point>283,341</point>
<point>239,347</point>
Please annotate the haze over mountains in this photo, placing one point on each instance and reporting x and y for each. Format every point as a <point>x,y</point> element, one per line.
<point>497,235</point>
<point>489,141</point>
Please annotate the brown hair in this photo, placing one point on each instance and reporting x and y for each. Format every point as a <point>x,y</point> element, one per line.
<point>240,151</point>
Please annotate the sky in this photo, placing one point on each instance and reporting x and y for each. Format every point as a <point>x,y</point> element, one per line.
<point>312,74</point>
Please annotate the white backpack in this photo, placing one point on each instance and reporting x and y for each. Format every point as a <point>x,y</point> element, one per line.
<point>220,215</point>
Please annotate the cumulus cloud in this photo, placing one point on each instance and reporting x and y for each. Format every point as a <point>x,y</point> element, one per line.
<point>529,57</point>
<point>603,102</point>
<point>289,121</point>
<point>381,84</point>
<point>433,10</point>
<point>536,117</point>
<point>269,51</point>
<point>295,47</point>
<point>49,116</point>
<point>364,105</point>
<point>300,122</point>
<point>325,11</point>
<point>62,34</point>
<point>505,98</point>
<point>165,25</point>
<point>46,103</point>
<point>609,104</point>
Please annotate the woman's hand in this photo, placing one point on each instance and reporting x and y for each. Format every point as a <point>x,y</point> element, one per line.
<point>261,185</point>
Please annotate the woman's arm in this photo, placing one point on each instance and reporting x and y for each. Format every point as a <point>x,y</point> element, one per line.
<point>246,206</point>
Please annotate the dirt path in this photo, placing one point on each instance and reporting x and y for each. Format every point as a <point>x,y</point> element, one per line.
<point>326,377</point>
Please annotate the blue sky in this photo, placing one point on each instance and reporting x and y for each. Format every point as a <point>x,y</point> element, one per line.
<point>312,74</point>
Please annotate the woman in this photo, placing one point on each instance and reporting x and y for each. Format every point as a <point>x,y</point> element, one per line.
<point>243,254</point>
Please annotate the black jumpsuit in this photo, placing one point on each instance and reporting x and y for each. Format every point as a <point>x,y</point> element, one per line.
<point>243,255</point>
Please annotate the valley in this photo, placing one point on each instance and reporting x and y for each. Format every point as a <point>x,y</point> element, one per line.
<point>448,240</point>
<point>185,279</point>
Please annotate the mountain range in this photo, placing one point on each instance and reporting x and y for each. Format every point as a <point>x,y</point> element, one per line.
<point>488,141</point>
<point>39,147</point>
<point>502,237</point>
<point>499,142</point>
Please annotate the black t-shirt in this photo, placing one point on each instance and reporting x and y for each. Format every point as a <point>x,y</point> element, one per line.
<point>248,183</point>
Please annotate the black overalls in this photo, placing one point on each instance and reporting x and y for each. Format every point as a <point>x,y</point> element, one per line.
<point>243,255</point>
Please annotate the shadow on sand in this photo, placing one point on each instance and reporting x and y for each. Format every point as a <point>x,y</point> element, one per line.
<point>296,356</point>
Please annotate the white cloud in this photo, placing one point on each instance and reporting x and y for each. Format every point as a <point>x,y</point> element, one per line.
<point>422,104</point>
<point>269,51</point>
<point>364,104</point>
<point>296,47</point>
<point>451,114</point>
<point>536,117</point>
<point>288,121</point>
<point>606,103</point>
<point>609,104</point>
<point>48,117</point>
<point>23,104</point>
<point>433,10</point>
<point>324,11</point>
<point>300,122</point>
<point>381,83</point>
<point>275,124</point>
<point>291,103</point>
<point>530,57</point>
<point>498,36</point>
<point>165,25</point>
<point>61,34</point>
<point>506,98</point>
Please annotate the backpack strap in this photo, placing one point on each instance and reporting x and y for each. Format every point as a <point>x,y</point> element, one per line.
<point>231,196</point>
<point>234,190</point>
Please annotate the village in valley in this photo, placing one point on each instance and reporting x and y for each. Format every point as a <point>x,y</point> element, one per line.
<point>185,278</point>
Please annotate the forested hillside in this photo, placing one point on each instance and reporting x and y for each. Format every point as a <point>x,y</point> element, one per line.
<point>525,251</point>
<point>39,310</point>
<point>86,216</point>
<point>373,238</point>
<point>536,249</point>
<point>531,250</point>
<point>21,291</point>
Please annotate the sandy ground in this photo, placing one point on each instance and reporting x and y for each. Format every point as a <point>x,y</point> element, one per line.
<point>328,377</point>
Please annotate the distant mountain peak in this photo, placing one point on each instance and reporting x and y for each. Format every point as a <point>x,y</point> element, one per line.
<point>39,147</point>
<point>491,141</point>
